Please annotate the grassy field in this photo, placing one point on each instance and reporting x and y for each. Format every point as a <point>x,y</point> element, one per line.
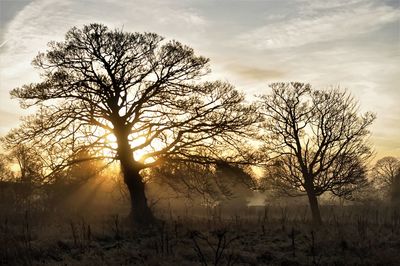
<point>271,235</point>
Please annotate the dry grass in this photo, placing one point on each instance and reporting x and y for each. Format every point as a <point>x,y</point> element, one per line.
<point>356,235</point>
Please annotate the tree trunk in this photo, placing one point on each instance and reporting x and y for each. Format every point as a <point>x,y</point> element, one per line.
<point>316,215</point>
<point>395,193</point>
<point>313,200</point>
<point>140,213</point>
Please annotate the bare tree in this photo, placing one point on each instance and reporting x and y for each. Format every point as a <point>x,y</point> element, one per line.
<point>145,92</point>
<point>5,171</point>
<point>386,174</point>
<point>30,165</point>
<point>316,140</point>
<point>23,173</point>
<point>213,182</point>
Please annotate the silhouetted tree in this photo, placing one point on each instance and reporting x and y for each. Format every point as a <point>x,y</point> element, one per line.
<point>30,165</point>
<point>213,182</point>
<point>386,174</point>
<point>30,171</point>
<point>316,140</point>
<point>5,171</point>
<point>141,89</point>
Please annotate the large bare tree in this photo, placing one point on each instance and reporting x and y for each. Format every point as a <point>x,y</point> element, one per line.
<point>316,140</point>
<point>149,94</point>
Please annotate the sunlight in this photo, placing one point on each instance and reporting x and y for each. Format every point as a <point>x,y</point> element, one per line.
<point>111,145</point>
<point>112,141</point>
<point>155,145</point>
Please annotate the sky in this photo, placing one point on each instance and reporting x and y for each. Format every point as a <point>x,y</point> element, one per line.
<point>354,44</point>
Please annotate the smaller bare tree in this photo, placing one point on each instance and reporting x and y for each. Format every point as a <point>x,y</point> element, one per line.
<point>316,141</point>
<point>386,174</point>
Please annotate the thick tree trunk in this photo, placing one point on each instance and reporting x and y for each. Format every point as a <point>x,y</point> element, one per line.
<point>140,213</point>
<point>313,201</point>
<point>316,215</point>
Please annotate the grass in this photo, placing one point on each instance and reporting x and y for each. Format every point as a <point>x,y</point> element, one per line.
<point>274,235</point>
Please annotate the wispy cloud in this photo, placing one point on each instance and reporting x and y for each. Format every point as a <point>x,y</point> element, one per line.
<point>321,22</point>
<point>317,5</point>
<point>7,120</point>
<point>3,43</point>
<point>47,20</point>
<point>254,72</point>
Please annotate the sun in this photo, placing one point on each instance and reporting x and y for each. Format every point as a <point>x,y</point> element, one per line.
<point>111,140</point>
<point>111,146</point>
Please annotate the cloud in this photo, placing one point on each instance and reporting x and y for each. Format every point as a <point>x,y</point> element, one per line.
<point>47,20</point>
<point>3,43</point>
<point>317,5</point>
<point>321,22</point>
<point>254,73</point>
<point>7,121</point>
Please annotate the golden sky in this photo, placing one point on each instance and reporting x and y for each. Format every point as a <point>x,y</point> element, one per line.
<point>354,44</point>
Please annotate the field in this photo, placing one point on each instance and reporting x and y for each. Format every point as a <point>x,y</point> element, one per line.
<point>270,235</point>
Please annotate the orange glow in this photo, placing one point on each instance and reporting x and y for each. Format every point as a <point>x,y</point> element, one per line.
<point>111,147</point>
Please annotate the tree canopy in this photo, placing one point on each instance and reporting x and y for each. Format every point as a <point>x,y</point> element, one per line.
<point>316,140</point>
<point>147,94</point>
<point>386,176</point>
